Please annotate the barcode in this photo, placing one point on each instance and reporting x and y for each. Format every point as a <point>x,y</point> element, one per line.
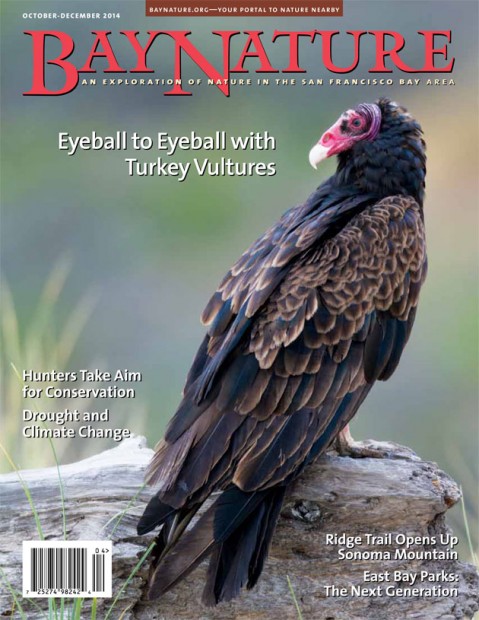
<point>98,572</point>
<point>67,568</point>
<point>58,568</point>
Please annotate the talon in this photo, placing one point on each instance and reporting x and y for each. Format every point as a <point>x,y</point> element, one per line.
<point>345,445</point>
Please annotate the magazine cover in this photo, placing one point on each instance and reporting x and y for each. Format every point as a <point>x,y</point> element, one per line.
<point>239,300</point>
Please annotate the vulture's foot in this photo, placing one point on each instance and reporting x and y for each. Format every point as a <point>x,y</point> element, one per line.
<point>345,445</point>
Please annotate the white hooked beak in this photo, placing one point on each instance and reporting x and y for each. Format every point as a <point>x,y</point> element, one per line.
<point>317,154</point>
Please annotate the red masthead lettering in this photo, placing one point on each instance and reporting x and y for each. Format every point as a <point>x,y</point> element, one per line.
<point>293,66</point>
<point>38,78</point>
<point>260,52</point>
<point>107,52</point>
<point>399,42</point>
<point>182,43</point>
<point>140,51</point>
<point>388,49</point>
<point>327,36</point>
<point>430,51</point>
<point>382,52</point>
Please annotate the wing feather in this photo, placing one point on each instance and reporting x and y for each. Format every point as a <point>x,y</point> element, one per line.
<point>299,330</point>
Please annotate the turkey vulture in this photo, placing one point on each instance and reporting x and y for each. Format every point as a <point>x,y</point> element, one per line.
<point>311,315</point>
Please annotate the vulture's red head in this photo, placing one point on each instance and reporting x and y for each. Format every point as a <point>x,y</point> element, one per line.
<point>380,148</point>
<point>361,123</point>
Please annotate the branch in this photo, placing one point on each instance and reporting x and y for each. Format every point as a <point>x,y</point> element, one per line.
<point>357,497</point>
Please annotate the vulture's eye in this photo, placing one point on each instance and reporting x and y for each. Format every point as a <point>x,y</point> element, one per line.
<point>356,122</point>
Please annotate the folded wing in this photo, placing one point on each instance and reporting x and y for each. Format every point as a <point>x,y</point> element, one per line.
<point>299,330</point>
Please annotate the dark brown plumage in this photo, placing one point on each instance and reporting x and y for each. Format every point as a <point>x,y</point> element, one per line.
<point>311,315</point>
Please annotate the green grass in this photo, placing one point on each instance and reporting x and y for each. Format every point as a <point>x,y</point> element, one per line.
<point>129,578</point>
<point>46,343</point>
<point>48,340</point>
<point>26,490</point>
<point>464,517</point>
<point>57,464</point>
<point>65,609</point>
<point>295,600</point>
<point>468,531</point>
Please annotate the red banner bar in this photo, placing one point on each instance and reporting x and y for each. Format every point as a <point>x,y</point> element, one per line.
<point>244,8</point>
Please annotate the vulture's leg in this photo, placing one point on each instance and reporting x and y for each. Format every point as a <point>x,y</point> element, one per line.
<point>345,445</point>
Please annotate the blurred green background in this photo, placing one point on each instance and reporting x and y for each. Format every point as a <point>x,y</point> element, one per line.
<point>103,270</point>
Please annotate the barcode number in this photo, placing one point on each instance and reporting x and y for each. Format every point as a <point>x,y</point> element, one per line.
<point>67,568</point>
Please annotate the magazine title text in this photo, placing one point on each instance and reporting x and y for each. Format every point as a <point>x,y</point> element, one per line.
<point>389,48</point>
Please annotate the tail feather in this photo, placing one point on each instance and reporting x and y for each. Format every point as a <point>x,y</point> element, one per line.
<point>234,524</point>
<point>239,560</point>
<point>264,540</point>
<point>173,527</point>
<point>156,513</point>
<point>228,570</point>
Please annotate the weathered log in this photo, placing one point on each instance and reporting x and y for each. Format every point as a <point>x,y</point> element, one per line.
<point>358,497</point>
